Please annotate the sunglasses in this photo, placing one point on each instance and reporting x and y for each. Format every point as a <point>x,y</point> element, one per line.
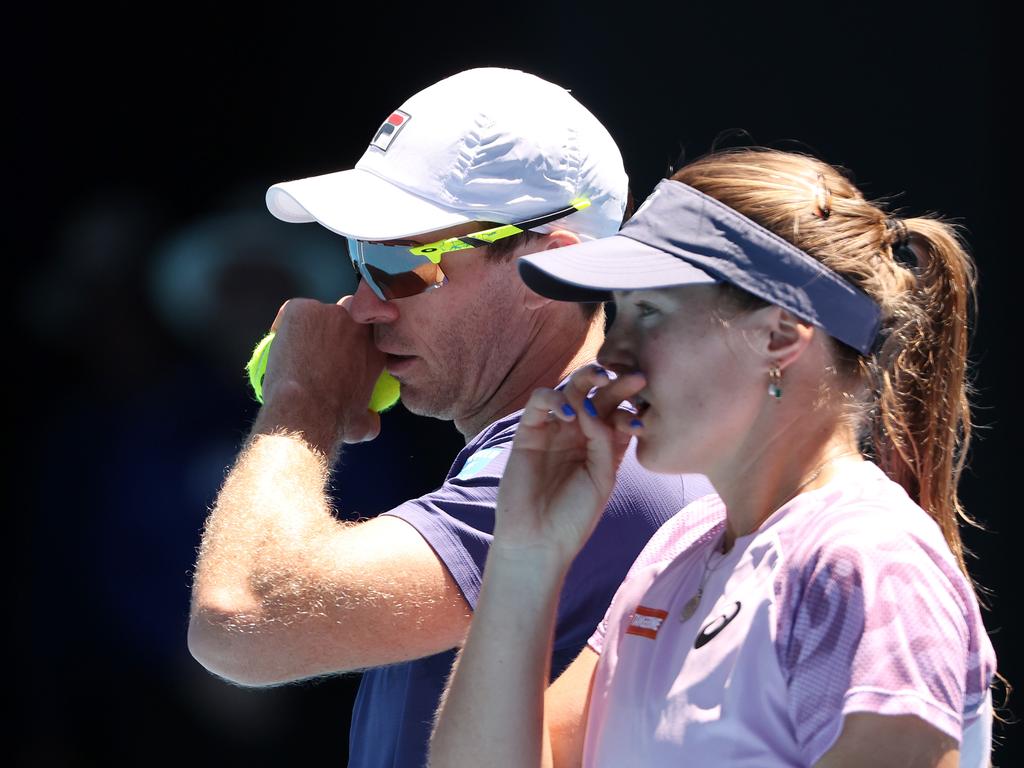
<point>398,271</point>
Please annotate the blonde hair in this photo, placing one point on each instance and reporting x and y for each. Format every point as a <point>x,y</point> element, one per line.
<point>918,421</point>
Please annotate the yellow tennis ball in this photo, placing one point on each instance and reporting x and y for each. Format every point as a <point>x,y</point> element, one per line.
<point>385,393</point>
<point>256,368</point>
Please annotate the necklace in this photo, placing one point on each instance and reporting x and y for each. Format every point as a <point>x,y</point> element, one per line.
<point>811,479</point>
<point>693,603</point>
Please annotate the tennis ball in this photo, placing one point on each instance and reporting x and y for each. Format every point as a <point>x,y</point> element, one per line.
<point>257,365</point>
<point>385,391</point>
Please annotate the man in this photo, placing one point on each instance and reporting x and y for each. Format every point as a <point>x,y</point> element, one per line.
<point>283,590</point>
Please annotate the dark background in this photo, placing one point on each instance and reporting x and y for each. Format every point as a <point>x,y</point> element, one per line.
<point>145,267</point>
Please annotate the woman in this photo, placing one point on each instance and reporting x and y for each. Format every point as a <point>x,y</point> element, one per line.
<point>807,352</point>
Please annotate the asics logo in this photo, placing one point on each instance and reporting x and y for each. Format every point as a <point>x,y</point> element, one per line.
<point>710,630</point>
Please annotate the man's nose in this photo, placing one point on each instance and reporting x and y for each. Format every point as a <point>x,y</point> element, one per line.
<point>367,308</point>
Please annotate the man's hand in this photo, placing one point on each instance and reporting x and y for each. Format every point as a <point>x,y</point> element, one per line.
<point>320,375</point>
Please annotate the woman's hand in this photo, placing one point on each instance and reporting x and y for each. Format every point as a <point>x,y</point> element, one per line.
<point>566,452</point>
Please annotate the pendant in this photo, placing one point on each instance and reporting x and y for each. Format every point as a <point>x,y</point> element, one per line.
<point>691,606</point>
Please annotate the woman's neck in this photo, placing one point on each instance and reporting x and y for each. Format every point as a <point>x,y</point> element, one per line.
<point>757,481</point>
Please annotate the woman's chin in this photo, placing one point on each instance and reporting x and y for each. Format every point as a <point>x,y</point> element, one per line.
<point>655,458</point>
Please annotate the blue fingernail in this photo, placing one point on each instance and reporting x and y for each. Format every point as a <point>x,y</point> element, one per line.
<point>588,406</point>
<point>636,424</point>
<point>567,410</point>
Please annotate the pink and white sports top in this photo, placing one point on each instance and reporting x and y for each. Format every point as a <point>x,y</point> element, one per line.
<point>847,599</point>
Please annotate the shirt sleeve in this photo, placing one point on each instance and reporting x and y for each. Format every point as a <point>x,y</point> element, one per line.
<point>457,519</point>
<point>881,624</point>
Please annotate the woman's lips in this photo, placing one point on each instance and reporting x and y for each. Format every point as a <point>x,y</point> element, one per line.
<point>640,404</point>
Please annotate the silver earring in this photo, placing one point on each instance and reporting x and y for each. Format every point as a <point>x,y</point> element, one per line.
<point>775,382</point>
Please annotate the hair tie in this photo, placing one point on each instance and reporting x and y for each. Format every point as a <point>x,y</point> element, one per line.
<point>899,242</point>
<point>898,234</point>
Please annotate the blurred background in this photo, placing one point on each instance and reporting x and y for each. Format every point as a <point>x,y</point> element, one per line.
<point>146,266</point>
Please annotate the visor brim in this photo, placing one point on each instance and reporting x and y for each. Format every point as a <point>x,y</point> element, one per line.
<point>589,272</point>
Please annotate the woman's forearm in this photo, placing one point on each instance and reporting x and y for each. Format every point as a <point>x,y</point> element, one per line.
<point>493,710</point>
<point>557,481</point>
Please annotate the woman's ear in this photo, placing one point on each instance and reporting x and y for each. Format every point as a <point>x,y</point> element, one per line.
<point>787,337</point>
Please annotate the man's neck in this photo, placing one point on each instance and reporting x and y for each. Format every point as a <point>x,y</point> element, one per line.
<point>545,363</point>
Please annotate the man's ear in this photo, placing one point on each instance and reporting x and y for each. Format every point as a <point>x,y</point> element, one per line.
<point>556,239</point>
<point>787,336</point>
<point>559,238</point>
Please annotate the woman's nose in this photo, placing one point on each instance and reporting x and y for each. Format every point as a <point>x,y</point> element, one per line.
<point>616,354</point>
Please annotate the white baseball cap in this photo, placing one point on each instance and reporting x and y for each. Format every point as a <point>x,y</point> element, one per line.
<point>486,144</point>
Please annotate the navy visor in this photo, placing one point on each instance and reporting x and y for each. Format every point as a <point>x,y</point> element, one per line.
<point>680,236</point>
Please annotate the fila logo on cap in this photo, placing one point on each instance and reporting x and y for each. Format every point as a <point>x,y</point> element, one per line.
<point>389,130</point>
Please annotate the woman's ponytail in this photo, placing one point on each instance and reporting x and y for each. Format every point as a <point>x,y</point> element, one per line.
<point>922,427</point>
